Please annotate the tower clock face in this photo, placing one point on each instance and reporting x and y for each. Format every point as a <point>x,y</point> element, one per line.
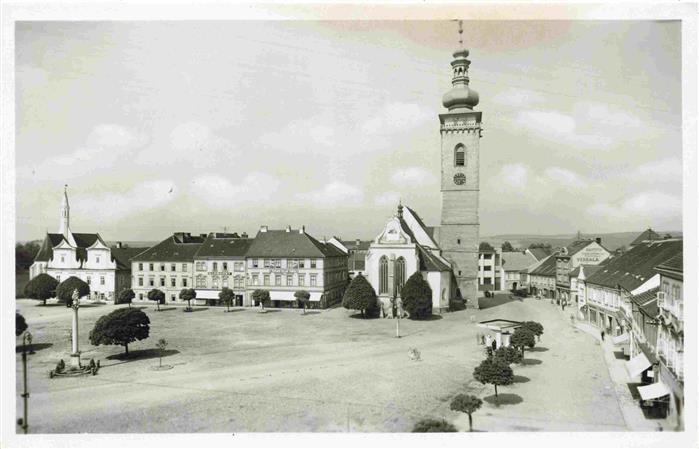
<point>459,179</point>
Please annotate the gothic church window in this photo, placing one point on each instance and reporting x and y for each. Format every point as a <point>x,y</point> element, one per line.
<point>459,155</point>
<point>400,273</point>
<point>383,275</point>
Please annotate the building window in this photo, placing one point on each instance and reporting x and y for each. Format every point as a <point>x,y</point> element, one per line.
<point>383,275</point>
<point>162,267</point>
<point>255,263</point>
<point>458,241</point>
<point>172,267</point>
<point>215,266</point>
<point>313,263</point>
<point>289,279</point>
<point>101,280</point>
<point>173,282</point>
<point>302,263</point>
<point>238,266</point>
<point>214,282</point>
<point>400,273</point>
<point>184,282</point>
<point>266,279</point>
<point>201,266</point>
<point>172,297</point>
<point>140,282</point>
<point>313,280</point>
<point>97,259</point>
<point>150,266</point>
<point>151,282</point>
<point>224,282</point>
<point>63,259</point>
<point>58,277</point>
<point>255,279</point>
<point>201,281</point>
<point>184,267</point>
<point>302,280</point>
<point>162,282</point>
<point>278,279</point>
<point>459,156</point>
<point>140,296</point>
<point>89,280</point>
<point>225,266</point>
<point>140,267</point>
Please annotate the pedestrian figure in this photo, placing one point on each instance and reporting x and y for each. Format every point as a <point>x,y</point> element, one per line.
<point>494,345</point>
<point>482,339</point>
<point>602,334</point>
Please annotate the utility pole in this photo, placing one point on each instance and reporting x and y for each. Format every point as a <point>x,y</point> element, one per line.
<point>23,422</point>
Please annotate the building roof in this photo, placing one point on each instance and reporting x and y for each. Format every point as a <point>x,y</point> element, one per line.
<point>82,240</point>
<point>546,268</point>
<point>179,247</point>
<point>356,245</point>
<point>647,302</point>
<point>589,270</point>
<point>290,243</point>
<point>648,234</point>
<point>516,260</point>
<point>428,261</point>
<point>540,253</point>
<point>122,256</point>
<point>223,245</point>
<point>636,266</point>
<point>672,264</point>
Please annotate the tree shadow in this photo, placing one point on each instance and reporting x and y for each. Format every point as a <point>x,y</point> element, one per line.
<point>311,312</point>
<point>537,349</point>
<point>138,308</point>
<point>33,347</point>
<point>140,354</point>
<point>497,300</point>
<point>167,309</point>
<point>51,305</point>
<point>198,309</point>
<point>365,317</point>
<point>520,379</point>
<point>234,310</point>
<point>531,362</point>
<point>432,317</point>
<point>503,399</point>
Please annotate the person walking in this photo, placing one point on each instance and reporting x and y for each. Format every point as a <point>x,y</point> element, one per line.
<point>602,334</point>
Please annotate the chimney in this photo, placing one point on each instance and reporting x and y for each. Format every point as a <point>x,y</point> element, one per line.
<point>288,228</point>
<point>263,228</point>
<point>244,235</point>
<point>598,240</point>
<point>118,244</point>
<point>302,230</point>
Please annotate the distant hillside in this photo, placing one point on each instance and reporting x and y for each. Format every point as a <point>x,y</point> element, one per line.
<point>611,241</point>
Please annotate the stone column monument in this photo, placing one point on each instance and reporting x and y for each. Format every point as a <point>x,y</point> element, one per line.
<point>75,355</point>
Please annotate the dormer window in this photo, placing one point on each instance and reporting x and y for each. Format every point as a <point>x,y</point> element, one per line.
<point>97,259</point>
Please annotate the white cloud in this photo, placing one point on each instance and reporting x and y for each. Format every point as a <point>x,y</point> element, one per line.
<point>220,191</point>
<point>387,199</point>
<point>517,98</point>
<point>397,116</point>
<point>332,195</point>
<point>303,136</point>
<point>668,169</point>
<point>603,114</point>
<point>650,205</point>
<point>412,177</point>
<point>116,205</point>
<point>565,177</point>
<point>514,175</point>
<point>559,128</point>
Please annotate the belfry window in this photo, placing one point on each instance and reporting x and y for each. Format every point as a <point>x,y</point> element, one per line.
<point>383,275</point>
<point>459,156</point>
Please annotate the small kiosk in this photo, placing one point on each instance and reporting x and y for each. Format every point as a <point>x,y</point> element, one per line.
<point>502,329</point>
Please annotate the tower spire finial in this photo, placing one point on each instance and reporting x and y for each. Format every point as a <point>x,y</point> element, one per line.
<point>461,34</point>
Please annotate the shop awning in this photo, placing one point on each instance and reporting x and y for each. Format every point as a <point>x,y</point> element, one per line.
<point>621,339</point>
<point>281,296</point>
<point>637,365</point>
<point>315,296</point>
<point>207,294</point>
<point>653,391</point>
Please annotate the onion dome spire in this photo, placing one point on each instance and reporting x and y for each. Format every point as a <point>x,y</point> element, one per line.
<point>460,96</point>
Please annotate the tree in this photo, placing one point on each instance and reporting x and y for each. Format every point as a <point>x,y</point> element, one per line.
<point>64,291</point>
<point>521,338</point>
<point>158,296</point>
<point>188,294</point>
<point>226,296</point>
<point>466,403</point>
<point>536,328</point>
<point>260,296</point>
<point>42,287</point>
<point>302,296</point>
<point>507,246</point>
<point>508,354</point>
<point>20,324</point>
<point>485,246</point>
<point>126,296</point>
<point>416,295</point>
<point>161,345</point>
<point>493,371</point>
<point>25,254</point>
<point>540,245</point>
<point>360,295</point>
<point>120,327</point>
<point>433,425</point>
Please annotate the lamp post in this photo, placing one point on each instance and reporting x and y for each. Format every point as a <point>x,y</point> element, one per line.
<point>23,423</point>
<point>397,302</point>
<point>75,355</point>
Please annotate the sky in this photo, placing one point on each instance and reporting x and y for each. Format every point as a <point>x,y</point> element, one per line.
<point>197,126</point>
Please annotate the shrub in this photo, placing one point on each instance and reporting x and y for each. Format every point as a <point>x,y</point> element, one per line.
<point>158,296</point>
<point>20,324</point>
<point>508,354</point>
<point>360,295</point>
<point>536,328</point>
<point>466,404</point>
<point>433,425</point>
<point>495,372</point>
<point>261,297</point>
<point>120,327</point>
<point>126,296</point>
<point>416,295</point>
<point>42,287</point>
<point>523,337</point>
<point>188,294</point>
<point>303,297</point>
<point>65,290</point>
<point>226,296</point>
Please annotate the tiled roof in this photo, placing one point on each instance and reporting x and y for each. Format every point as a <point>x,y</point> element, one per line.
<point>648,234</point>
<point>179,247</point>
<point>636,266</point>
<point>672,264</point>
<point>292,243</point>
<point>428,261</point>
<point>123,256</point>
<point>516,260</point>
<point>540,253</point>
<point>83,241</point>
<point>352,245</point>
<point>648,302</point>
<point>546,268</point>
<point>223,245</point>
<point>46,251</point>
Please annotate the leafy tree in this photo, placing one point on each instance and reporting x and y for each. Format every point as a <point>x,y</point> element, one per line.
<point>158,296</point>
<point>360,295</point>
<point>507,246</point>
<point>493,371</point>
<point>416,295</point>
<point>64,291</point>
<point>536,328</point>
<point>485,246</point>
<point>120,327</point>
<point>126,296</point>
<point>521,338</point>
<point>20,324</point>
<point>302,296</point>
<point>540,245</point>
<point>466,403</point>
<point>508,354</point>
<point>25,254</point>
<point>188,294</point>
<point>261,296</point>
<point>433,425</point>
<point>161,345</point>
<point>42,287</point>
<point>226,296</point>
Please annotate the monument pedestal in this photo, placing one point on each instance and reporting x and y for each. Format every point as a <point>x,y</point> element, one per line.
<point>75,360</point>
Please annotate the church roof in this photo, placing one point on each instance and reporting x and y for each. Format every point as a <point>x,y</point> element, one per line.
<point>83,241</point>
<point>428,261</point>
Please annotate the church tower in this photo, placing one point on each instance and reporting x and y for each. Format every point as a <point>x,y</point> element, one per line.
<point>460,130</point>
<point>64,226</point>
